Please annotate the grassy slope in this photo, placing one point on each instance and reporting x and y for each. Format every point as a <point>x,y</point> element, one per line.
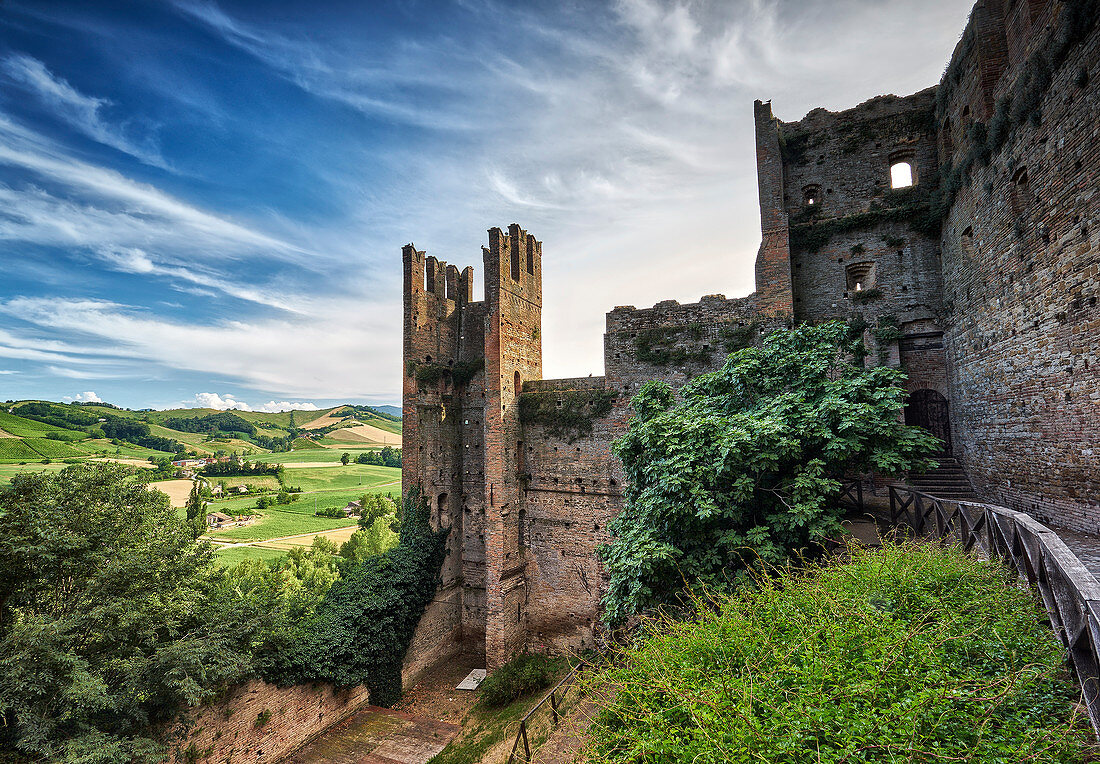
<point>310,455</point>
<point>365,477</point>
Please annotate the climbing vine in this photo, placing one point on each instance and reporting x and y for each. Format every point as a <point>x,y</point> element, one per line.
<point>361,630</point>
<point>460,374</point>
<point>655,346</point>
<point>566,414</point>
<point>918,206</point>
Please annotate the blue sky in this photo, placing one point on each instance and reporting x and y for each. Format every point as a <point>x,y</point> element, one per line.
<point>204,202</point>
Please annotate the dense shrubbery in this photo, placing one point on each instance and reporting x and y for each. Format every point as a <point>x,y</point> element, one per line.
<point>907,653</point>
<point>745,463</point>
<point>223,421</point>
<point>237,468</point>
<point>387,457</point>
<point>109,619</point>
<point>113,618</point>
<point>524,674</point>
<point>360,631</point>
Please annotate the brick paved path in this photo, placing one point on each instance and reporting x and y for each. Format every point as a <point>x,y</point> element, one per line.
<point>379,736</point>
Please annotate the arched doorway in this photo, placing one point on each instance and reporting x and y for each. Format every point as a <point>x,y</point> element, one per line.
<point>928,409</point>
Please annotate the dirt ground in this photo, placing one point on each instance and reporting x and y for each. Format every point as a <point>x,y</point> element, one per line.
<point>367,434</point>
<point>6,434</point>
<point>177,490</point>
<point>340,535</point>
<point>435,696</point>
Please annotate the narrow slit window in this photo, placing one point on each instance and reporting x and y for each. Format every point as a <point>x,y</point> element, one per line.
<point>901,175</point>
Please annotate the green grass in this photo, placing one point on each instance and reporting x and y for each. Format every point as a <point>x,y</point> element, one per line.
<point>15,450</point>
<point>30,428</point>
<point>363,476</point>
<point>102,446</point>
<point>230,557</point>
<point>256,481</point>
<point>306,505</point>
<point>913,652</point>
<point>54,449</point>
<point>310,456</point>
<point>281,521</point>
<point>8,471</point>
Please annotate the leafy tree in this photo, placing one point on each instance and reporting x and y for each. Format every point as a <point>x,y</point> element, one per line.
<point>107,623</point>
<point>196,509</point>
<point>369,457</point>
<point>746,465</point>
<point>345,458</point>
<point>391,457</point>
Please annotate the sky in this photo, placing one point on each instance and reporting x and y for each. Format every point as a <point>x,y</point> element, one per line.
<point>204,203</point>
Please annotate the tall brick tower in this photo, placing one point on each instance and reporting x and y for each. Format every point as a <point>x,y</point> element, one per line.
<point>465,363</point>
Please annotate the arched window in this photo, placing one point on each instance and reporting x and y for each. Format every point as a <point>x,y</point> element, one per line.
<point>811,195</point>
<point>901,175</point>
<point>860,276</point>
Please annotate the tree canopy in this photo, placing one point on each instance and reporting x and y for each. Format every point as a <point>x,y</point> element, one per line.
<point>107,626</point>
<point>744,465</point>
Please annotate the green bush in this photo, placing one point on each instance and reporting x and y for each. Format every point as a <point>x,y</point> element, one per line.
<point>524,674</point>
<point>914,653</point>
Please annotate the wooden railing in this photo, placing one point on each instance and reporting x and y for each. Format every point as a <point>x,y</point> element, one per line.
<point>1069,592</point>
<point>554,701</point>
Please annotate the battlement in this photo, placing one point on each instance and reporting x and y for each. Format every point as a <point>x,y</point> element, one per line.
<point>564,385</point>
<point>710,308</point>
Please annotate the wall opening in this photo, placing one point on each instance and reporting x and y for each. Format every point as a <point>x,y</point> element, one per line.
<point>860,276</point>
<point>811,195</point>
<point>901,175</point>
<point>515,261</point>
<point>928,409</point>
<point>517,384</point>
<point>531,260</point>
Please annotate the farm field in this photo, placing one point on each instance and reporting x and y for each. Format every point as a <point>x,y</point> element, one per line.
<point>14,450</point>
<point>257,481</point>
<point>53,449</point>
<point>318,455</point>
<point>282,521</point>
<point>365,477</point>
<point>233,555</point>
<point>338,537</point>
<point>26,428</point>
<point>177,490</point>
<point>8,471</point>
<point>105,447</point>
<point>363,433</point>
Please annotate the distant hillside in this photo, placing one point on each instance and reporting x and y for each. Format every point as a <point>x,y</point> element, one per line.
<point>394,411</point>
<point>37,430</point>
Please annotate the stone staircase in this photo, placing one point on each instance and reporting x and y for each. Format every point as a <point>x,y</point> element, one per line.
<point>948,481</point>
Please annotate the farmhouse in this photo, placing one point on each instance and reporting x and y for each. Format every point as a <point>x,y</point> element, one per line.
<point>955,227</point>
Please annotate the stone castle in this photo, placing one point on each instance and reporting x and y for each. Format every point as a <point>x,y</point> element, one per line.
<point>957,226</point>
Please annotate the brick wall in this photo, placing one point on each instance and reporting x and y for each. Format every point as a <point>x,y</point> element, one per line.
<point>259,722</point>
<point>1021,247</point>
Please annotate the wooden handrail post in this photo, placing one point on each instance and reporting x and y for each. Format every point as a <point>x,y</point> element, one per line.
<point>553,709</point>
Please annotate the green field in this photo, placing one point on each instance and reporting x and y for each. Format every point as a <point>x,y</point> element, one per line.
<point>366,477</point>
<point>282,521</point>
<point>15,450</point>
<point>105,447</point>
<point>18,426</point>
<point>310,456</point>
<point>8,471</point>
<point>230,557</point>
<point>54,449</point>
<point>307,503</point>
<point>256,481</point>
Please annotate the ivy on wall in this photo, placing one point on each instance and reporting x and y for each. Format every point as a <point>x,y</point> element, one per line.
<point>657,346</point>
<point>919,206</point>
<point>361,630</point>
<point>430,372</point>
<point>1021,104</point>
<point>566,414</point>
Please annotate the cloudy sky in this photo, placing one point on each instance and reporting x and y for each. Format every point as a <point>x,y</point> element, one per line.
<point>204,202</point>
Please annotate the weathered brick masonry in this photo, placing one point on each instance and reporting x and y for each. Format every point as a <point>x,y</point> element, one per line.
<point>980,279</point>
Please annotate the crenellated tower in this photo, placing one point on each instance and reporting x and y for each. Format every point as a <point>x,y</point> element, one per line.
<point>465,363</point>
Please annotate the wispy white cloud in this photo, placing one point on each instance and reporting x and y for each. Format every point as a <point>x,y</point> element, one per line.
<point>230,402</point>
<point>83,112</point>
<point>322,356</point>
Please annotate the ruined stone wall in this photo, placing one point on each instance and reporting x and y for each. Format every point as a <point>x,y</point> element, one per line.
<point>259,722</point>
<point>857,245</point>
<point>1020,143</point>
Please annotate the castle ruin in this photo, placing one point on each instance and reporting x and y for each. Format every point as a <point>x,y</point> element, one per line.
<point>957,226</point>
